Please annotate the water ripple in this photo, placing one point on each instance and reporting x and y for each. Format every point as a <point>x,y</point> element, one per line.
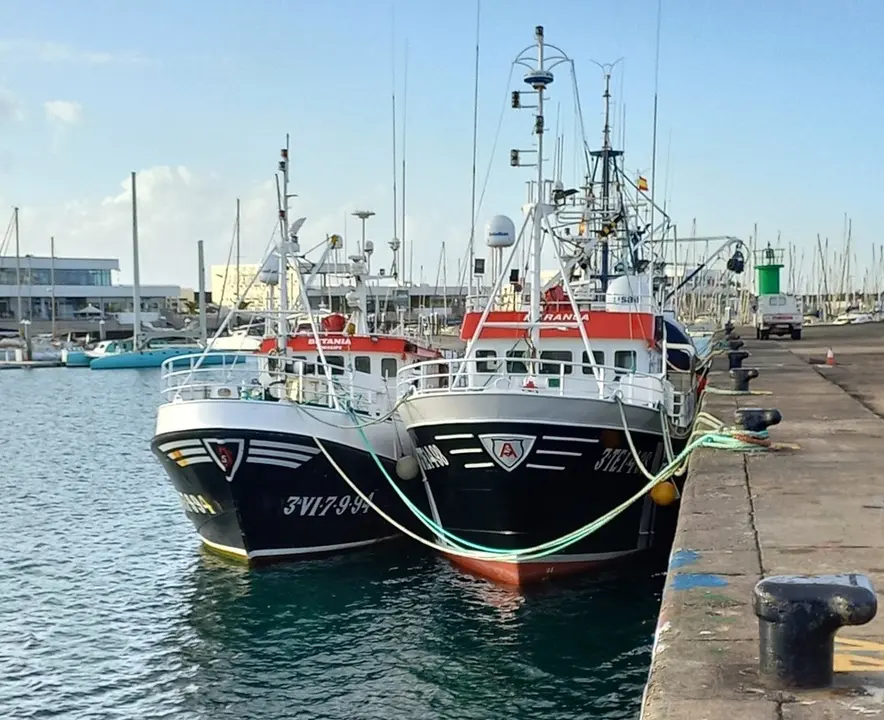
<point>111,610</point>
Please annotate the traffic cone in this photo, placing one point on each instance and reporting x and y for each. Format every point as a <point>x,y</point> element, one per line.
<point>830,357</point>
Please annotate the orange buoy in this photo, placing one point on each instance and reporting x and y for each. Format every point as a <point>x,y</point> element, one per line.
<point>664,493</point>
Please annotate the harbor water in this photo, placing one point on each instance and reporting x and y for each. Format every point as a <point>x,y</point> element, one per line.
<point>112,610</point>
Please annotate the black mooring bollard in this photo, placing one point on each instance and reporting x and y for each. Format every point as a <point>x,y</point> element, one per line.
<point>741,377</point>
<point>735,344</point>
<point>728,327</point>
<point>757,419</point>
<point>798,616</point>
<point>735,359</point>
<point>731,336</point>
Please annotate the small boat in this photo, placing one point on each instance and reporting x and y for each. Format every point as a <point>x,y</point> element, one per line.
<point>115,355</point>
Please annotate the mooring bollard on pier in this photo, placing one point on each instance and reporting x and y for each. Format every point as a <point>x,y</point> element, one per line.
<point>735,359</point>
<point>798,616</point>
<point>757,419</point>
<point>740,378</point>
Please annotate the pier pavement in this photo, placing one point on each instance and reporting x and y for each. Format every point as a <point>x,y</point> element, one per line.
<point>815,510</point>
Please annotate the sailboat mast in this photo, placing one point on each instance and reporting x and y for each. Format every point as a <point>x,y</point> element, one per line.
<point>472,251</point>
<point>537,240</point>
<point>136,275</point>
<point>238,283</point>
<point>282,325</point>
<point>52,282</point>
<point>17,267</point>
<point>398,261</point>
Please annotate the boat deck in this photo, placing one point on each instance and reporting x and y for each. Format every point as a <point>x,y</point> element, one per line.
<point>816,510</point>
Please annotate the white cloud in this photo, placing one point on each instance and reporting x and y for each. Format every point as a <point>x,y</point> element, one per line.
<point>10,107</point>
<point>63,111</point>
<point>177,207</point>
<point>35,51</point>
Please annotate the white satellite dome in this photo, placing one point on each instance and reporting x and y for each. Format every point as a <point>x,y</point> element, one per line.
<point>269,274</point>
<point>500,232</point>
<point>629,293</point>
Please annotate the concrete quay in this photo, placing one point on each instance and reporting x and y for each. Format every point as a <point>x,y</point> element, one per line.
<point>815,510</point>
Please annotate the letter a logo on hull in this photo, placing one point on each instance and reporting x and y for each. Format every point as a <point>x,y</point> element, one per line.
<point>508,451</point>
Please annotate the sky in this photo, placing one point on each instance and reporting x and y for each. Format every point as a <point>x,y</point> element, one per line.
<point>770,112</point>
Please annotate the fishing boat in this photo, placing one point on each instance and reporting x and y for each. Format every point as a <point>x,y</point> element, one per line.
<point>256,448</point>
<point>570,394</point>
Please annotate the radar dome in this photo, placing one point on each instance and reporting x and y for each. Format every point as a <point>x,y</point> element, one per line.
<point>269,274</point>
<point>629,293</point>
<point>500,232</point>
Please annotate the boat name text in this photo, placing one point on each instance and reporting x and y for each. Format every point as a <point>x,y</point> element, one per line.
<point>561,317</point>
<point>319,505</point>
<point>430,457</point>
<point>196,504</point>
<point>620,460</point>
<point>333,341</point>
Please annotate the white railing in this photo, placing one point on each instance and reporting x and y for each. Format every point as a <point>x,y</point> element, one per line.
<point>585,300</point>
<point>270,378</point>
<point>560,379</point>
<point>564,379</point>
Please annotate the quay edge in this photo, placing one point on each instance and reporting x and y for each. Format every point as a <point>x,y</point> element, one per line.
<point>815,510</point>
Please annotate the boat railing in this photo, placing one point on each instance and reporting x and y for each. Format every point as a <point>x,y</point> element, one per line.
<point>271,378</point>
<point>556,378</point>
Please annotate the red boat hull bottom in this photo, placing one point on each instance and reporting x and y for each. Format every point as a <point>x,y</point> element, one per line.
<point>517,574</point>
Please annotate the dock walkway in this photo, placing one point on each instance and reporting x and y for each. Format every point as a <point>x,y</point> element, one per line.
<point>816,510</point>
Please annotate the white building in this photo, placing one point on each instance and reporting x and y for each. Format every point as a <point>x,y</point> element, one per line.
<point>83,288</point>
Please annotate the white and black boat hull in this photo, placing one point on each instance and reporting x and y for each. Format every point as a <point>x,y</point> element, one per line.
<point>256,485</point>
<point>511,471</point>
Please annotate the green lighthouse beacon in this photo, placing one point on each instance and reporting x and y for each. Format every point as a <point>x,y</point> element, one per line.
<point>768,271</point>
<point>777,313</point>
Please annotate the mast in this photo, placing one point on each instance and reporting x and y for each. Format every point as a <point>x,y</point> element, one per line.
<point>52,282</point>
<point>201,265</point>
<point>539,80</point>
<point>472,251</point>
<point>282,325</point>
<point>238,284</point>
<point>606,179</point>
<point>398,263</point>
<point>407,251</point>
<point>136,280</point>
<point>17,267</point>
<point>654,137</point>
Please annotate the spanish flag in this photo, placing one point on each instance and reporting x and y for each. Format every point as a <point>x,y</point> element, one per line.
<point>642,184</point>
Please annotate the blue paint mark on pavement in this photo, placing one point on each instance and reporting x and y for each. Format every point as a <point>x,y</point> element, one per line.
<point>680,558</point>
<point>689,581</point>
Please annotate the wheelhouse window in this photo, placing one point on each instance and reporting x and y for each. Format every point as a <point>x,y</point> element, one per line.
<point>362,363</point>
<point>337,364</point>
<point>598,357</point>
<point>555,358</point>
<point>486,366</point>
<point>625,360</point>
<point>515,364</point>
<point>389,367</point>
<point>290,365</point>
